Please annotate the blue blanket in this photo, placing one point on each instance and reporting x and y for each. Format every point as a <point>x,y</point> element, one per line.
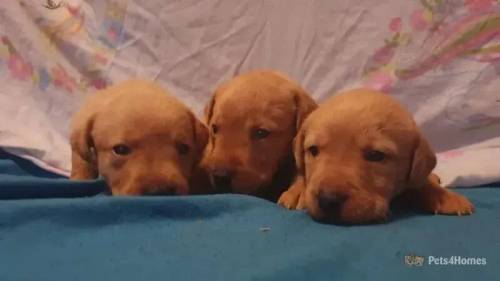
<point>226,237</point>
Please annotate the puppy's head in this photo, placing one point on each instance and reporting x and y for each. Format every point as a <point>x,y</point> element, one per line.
<point>140,139</point>
<point>252,121</point>
<point>358,151</point>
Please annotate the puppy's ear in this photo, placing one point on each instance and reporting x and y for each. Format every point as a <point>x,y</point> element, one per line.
<point>83,154</point>
<point>209,108</point>
<point>423,162</point>
<point>298,152</point>
<point>304,105</point>
<point>200,136</point>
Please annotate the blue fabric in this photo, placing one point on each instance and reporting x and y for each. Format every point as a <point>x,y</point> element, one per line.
<point>223,237</point>
<point>19,178</point>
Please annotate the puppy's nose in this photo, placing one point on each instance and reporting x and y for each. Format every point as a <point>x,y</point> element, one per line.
<point>331,203</point>
<point>222,179</point>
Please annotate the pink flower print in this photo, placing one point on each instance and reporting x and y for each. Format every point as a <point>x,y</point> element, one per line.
<point>99,83</point>
<point>380,81</point>
<point>479,6</point>
<point>74,11</point>
<point>113,33</point>
<point>489,58</point>
<point>18,68</point>
<point>101,59</point>
<point>395,25</point>
<point>383,55</point>
<point>419,20</point>
<point>61,79</point>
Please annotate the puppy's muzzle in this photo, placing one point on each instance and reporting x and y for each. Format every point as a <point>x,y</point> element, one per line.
<point>163,187</point>
<point>222,179</point>
<point>331,204</point>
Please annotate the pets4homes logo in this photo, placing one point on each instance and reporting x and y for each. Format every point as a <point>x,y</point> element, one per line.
<point>414,260</point>
<point>417,261</point>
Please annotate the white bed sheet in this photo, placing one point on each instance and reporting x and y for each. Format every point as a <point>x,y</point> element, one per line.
<point>440,58</point>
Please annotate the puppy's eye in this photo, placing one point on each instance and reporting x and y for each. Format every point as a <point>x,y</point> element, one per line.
<point>260,133</point>
<point>215,129</point>
<point>314,150</point>
<point>121,150</point>
<point>183,148</point>
<point>374,155</point>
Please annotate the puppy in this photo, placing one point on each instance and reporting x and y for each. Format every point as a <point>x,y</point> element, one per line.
<point>252,121</point>
<point>139,138</point>
<point>356,153</point>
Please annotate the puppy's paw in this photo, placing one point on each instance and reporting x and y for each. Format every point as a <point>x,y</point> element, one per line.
<point>291,199</point>
<point>301,205</point>
<point>451,203</point>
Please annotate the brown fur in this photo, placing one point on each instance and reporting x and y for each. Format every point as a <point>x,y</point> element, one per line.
<point>345,131</point>
<point>154,125</point>
<point>239,108</point>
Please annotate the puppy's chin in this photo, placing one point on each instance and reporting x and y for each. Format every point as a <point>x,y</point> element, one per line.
<point>137,188</point>
<point>245,182</point>
<point>138,191</point>
<point>357,209</point>
<point>250,187</point>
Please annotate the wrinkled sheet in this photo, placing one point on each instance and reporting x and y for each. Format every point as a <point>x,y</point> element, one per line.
<point>221,237</point>
<point>439,57</point>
